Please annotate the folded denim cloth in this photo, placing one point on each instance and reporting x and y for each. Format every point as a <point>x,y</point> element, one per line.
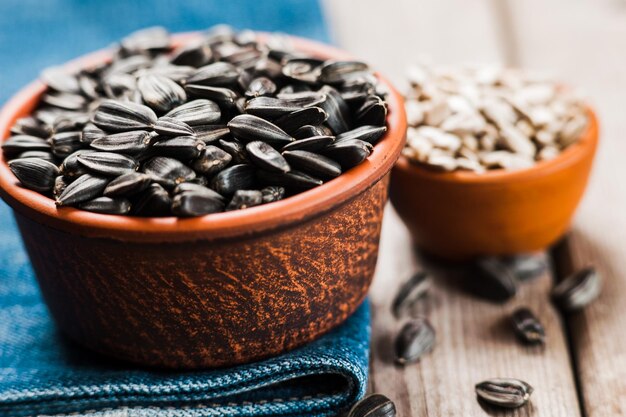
<point>42,373</point>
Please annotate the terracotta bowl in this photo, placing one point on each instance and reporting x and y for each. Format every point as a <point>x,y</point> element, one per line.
<point>211,291</point>
<point>461,215</point>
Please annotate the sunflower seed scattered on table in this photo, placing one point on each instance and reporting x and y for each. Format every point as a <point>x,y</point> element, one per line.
<point>222,111</point>
<point>489,117</point>
<point>493,280</point>
<point>373,405</point>
<point>577,290</point>
<point>504,392</point>
<point>527,327</point>
<point>527,266</point>
<point>416,338</point>
<point>412,290</point>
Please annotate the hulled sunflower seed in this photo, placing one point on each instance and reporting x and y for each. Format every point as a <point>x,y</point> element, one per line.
<point>272,193</point>
<point>118,116</point>
<point>169,126</point>
<point>373,405</point>
<point>577,290</point>
<point>311,144</point>
<point>248,128</point>
<point>107,163</point>
<point>168,171</point>
<point>127,185</point>
<point>245,198</point>
<point>317,165</point>
<point>410,292</point>
<point>527,327</point>
<point>82,189</point>
<point>183,148</point>
<point>154,201</point>
<point>107,205</point>
<point>504,392</point>
<point>196,112</point>
<point>493,280</point>
<point>293,121</point>
<point>416,338</point>
<point>211,160</point>
<point>15,145</point>
<point>160,93</point>
<point>190,204</point>
<point>34,173</point>
<point>265,157</point>
<point>131,143</point>
<point>236,177</point>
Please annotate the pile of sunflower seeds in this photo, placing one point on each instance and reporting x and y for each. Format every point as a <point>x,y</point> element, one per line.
<point>489,117</point>
<point>223,122</point>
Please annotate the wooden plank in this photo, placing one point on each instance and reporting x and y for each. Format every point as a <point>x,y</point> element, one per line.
<point>585,42</point>
<point>475,342</point>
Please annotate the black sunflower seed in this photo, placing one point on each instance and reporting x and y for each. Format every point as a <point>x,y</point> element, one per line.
<point>119,86</point>
<point>107,163</point>
<point>236,149</point>
<point>217,74</point>
<point>65,143</point>
<point>372,112</point>
<point>416,338</point>
<point>88,86</point>
<point>131,143</point>
<point>117,116</point>
<point>369,134</point>
<point>306,70</point>
<point>317,165</point>
<point>183,148</point>
<point>211,160</point>
<point>527,266</point>
<point>90,133</point>
<point>195,54</point>
<point>236,177</point>
<point>504,392</point>
<point>266,157</point>
<point>34,173</point>
<point>70,122</point>
<point>348,153</point>
<point>153,202</point>
<point>60,184</point>
<point>129,65</point>
<point>106,205</point>
<point>151,40</point>
<point>245,198</point>
<point>70,166</point>
<point>272,107</point>
<point>308,131</point>
<point>272,193</point>
<point>577,290</point>
<point>311,144</point>
<point>410,292</point>
<point>169,126</point>
<point>160,93</point>
<point>127,185</point>
<point>197,188</point>
<point>168,171</point>
<point>224,97</point>
<point>294,180</point>
<point>337,72</point>
<point>21,143</point>
<point>339,119</point>
<point>247,127</point>
<point>373,405</point>
<point>493,280</point>
<point>176,73</point>
<point>65,101</point>
<point>61,80</point>
<point>268,67</point>
<point>197,112</point>
<point>191,204</point>
<point>84,188</point>
<point>261,86</point>
<point>527,327</point>
<point>31,127</point>
<point>211,133</point>
<point>293,121</point>
<point>46,156</point>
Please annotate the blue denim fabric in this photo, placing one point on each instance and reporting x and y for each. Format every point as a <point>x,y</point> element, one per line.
<point>43,373</point>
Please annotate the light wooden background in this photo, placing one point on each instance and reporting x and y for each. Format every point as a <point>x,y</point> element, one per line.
<point>582,370</point>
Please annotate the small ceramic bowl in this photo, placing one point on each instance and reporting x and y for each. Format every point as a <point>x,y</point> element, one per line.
<point>461,215</point>
<point>218,290</point>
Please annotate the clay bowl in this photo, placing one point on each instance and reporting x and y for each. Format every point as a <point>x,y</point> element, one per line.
<point>461,215</point>
<point>212,291</point>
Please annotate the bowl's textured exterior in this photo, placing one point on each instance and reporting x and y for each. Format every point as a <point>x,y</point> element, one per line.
<point>212,291</point>
<point>461,215</point>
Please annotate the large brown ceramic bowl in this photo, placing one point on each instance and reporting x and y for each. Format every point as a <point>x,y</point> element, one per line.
<point>212,291</point>
<point>461,215</point>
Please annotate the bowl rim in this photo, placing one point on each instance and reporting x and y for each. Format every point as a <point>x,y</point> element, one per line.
<point>252,220</point>
<point>568,157</point>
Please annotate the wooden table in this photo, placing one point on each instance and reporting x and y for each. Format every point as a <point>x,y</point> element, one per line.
<point>582,370</point>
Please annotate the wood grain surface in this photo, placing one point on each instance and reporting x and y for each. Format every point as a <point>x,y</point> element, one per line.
<point>583,368</point>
